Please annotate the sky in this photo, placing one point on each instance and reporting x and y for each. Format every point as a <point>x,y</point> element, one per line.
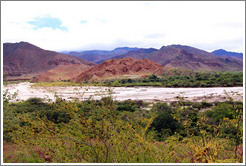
<point>84,25</point>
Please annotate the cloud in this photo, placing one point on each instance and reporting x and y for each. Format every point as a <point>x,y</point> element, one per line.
<point>83,21</point>
<point>234,25</point>
<point>47,22</point>
<point>155,35</point>
<point>114,24</point>
<point>230,45</point>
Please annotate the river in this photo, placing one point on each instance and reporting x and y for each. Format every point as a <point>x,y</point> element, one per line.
<point>150,94</point>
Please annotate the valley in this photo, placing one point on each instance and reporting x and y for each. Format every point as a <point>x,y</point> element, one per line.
<point>119,83</point>
<point>176,104</point>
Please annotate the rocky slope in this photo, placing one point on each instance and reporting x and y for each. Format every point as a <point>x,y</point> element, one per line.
<point>61,72</point>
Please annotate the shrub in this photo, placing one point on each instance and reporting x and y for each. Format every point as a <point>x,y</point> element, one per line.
<point>223,110</point>
<point>32,105</point>
<point>57,116</point>
<point>127,105</point>
<point>153,78</point>
<point>34,101</point>
<point>164,123</point>
<point>162,107</point>
<point>201,105</point>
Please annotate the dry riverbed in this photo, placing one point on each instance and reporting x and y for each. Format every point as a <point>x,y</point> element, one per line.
<point>150,94</point>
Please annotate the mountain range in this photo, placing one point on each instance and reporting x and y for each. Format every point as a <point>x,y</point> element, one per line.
<point>179,56</point>
<point>191,58</point>
<point>27,59</point>
<point>99,56</point>
<point>224,53</point>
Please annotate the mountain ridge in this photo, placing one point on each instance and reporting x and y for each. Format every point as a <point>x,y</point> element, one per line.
<point>99,56</point>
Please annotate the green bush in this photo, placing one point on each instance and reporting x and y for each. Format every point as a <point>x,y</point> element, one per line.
<point>221,111</point>
<point>200,105</point>
<point>153,78</point>
<point>162,107</point>
<point>34,105</point>
<point>34,101</point>
<point>164,123</point>
<point>127,105</point>
<point>57,116</point>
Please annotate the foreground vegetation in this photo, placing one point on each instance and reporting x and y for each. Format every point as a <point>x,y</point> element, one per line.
<point>171,78</point>
<point>108,131</point>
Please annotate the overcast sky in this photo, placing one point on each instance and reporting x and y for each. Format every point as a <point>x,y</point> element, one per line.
<point>65,25</point>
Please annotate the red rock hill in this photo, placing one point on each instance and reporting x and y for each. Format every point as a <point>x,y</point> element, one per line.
<point>118,67</point>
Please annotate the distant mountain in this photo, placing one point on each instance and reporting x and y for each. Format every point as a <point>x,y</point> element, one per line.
<point>24,59</point>
<point>119,67</point>
<point>180,56</point>
<point>99,56</point>
<point>225,53</point>
<point>175,56</point>
<point>141,53</point>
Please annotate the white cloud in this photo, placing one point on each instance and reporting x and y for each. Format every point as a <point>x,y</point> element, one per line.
<point>109,24</point>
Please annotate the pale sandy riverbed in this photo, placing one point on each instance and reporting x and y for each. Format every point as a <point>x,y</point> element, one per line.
<point>150,94</point>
